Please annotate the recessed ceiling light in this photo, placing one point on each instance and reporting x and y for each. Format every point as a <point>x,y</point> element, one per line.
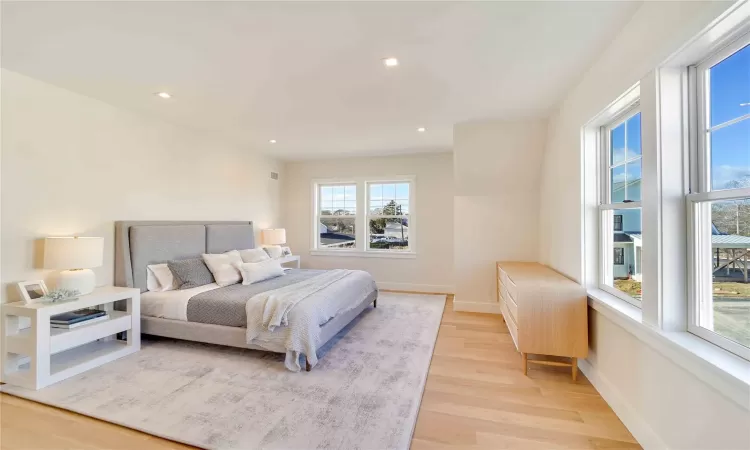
<point>421,129</point>
<point>272,141</point>
<point>164,94</point>
<point>390,62</point>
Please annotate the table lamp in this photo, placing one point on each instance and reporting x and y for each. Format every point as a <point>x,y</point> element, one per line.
<point>74,256</point>
<point>274,236</point>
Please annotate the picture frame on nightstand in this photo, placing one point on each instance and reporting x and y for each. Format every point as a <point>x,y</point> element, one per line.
<point>32,291</point>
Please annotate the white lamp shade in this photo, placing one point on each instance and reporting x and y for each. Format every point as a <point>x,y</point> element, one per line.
<point>274,236</point>
<point>73,252</point>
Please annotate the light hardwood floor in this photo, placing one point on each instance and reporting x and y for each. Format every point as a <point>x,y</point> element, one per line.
<point>476,398</point>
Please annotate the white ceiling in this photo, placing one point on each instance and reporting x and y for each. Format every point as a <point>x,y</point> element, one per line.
<point>309,74</point>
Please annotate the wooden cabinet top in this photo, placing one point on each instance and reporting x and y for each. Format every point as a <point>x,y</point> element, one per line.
<point>531,273</point>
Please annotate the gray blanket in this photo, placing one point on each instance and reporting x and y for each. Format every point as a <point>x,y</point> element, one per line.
<point>226,305</point>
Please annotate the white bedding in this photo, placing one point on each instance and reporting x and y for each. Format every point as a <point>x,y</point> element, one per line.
<point>171,304</point>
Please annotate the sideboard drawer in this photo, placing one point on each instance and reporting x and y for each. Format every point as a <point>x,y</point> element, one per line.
<point>511,323</point>
<point>512,307</point>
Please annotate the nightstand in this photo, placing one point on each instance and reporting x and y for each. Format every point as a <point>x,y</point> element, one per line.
<point>290,259</point>
<point>38,356</point>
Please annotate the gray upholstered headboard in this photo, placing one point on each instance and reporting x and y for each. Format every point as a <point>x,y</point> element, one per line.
<point>140,243</point>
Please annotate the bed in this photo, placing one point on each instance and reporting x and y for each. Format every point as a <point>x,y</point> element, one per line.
<point>219,315</point>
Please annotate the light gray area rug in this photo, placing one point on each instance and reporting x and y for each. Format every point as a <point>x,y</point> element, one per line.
<point>364,393</point>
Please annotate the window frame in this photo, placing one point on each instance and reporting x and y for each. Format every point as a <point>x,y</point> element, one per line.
<point>317,216</point>
<point>605,206</point>
<point>701,195</point>
<point>362,230</point>
<point>369,216</point>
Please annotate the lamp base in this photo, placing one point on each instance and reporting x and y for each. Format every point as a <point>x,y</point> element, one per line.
<point>82,280</point>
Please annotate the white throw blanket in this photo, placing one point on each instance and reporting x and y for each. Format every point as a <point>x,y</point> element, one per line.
<point>270,310</point>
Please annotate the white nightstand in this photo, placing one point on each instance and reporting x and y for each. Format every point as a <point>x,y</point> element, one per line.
<point>54,354</point>
<point>290,259</point>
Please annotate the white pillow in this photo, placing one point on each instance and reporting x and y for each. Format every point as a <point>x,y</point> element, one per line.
<point>274,251</point>
<point>159,278</point>
<point>255,272</point>
<point>222,266</point>
<point>253,255</point>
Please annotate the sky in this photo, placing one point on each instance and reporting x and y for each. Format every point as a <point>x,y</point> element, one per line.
<point>730,146</point>
<point>730,99</point>
<point>345,196</point>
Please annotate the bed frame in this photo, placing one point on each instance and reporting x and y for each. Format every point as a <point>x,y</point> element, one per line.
<point>140,243</point>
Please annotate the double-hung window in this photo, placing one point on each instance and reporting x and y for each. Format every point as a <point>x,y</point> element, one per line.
<point>719,200</point>
<point>620,250</point>
<point>365,217</point>
<point>388,216</point>
<point>336,216</point>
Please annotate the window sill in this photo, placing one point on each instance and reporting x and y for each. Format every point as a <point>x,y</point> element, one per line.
<point>716,367</point>
<point>363,254</point>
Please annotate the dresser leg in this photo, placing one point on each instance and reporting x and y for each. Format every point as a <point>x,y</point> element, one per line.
<point>524,365</point>
<point>574,369</point>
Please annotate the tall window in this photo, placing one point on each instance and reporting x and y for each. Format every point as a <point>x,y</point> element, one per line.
<point>620,207</point>
<point>365,217</point>
<point>388,216</point>
<point>336,217</point>
<point>719,202</point>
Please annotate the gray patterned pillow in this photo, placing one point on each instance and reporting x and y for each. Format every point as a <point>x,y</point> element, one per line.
<point>190,273</point>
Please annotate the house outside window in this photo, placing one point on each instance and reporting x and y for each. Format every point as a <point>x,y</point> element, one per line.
<point>620,206</point>
<point>719,202</point>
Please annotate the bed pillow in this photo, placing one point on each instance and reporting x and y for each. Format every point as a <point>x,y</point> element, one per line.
<point>222,266</point>
<point>274,251</point>
<point>253,255</point>
<point>190,273</point>
<point>159,278</point>
<point>256,272</point>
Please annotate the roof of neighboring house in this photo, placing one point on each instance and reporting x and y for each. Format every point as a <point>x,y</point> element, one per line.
<point>730,241</point>
<point>623,237</point>
<point>334,238</point>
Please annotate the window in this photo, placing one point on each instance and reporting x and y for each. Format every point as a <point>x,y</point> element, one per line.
<point>620,208</point>
<point>619,256</point>
<point>719,202</point>
<point>388,216</point>
<point>336,216</point>
<point>365,217</point>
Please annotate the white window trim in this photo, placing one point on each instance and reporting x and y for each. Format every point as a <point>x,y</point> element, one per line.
<point>316,213</point>
<point>701,195</point>
<point>661,323</point>
<point>606,222</point>
<point>718,368</point>
<point>362,231</point>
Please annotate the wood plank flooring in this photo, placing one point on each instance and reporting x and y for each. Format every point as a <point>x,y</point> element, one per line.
<point>476,398</point>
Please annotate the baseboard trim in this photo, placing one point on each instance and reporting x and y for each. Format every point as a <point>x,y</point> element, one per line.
<point>641,431</point>
<point>476,307</point>
<point>426,288</point>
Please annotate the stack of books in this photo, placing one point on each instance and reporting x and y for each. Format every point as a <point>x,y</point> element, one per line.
<point>77,318</point>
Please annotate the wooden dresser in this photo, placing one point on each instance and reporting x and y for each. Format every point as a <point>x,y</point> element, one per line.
<point>545,313</point>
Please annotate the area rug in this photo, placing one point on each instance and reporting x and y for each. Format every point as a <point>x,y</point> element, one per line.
<point>364,393</point>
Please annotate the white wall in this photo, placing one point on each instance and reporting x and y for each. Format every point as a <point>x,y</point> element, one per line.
<point>496,169</point>
<point>662,403</point>
<point>431,270</point>
<point>74,165</point>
